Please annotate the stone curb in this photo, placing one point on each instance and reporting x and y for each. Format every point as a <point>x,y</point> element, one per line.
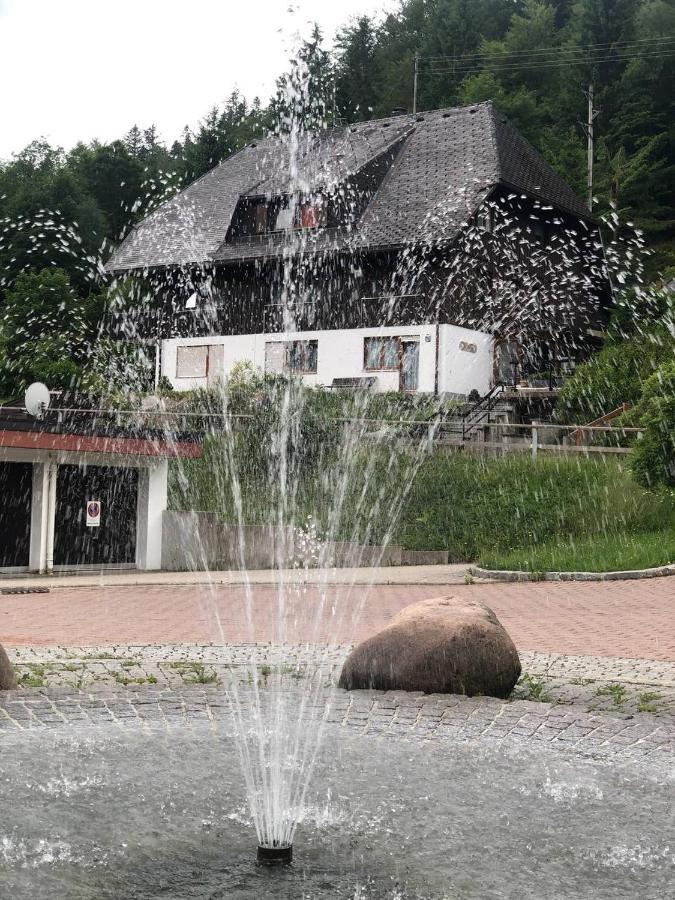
<point>515,575</point>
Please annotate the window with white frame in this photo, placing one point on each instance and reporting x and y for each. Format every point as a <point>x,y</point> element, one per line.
<point>484,219</point>
<point>381,353</point>
<point>294,357</point>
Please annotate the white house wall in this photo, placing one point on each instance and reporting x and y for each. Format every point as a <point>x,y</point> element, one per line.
<point>341,355</point>
<point>464,360</point>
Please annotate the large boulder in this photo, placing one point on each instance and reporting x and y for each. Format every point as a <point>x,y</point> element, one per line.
<point>7,677</point>
<point>447,645</point>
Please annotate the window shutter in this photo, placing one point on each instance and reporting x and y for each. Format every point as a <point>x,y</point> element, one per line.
<point>275,352</point>
<point>191,362</point>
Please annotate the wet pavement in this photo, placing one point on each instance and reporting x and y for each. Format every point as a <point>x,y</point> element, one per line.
<point>623,619</point>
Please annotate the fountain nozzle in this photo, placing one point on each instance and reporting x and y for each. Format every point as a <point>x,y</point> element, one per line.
<point>277,854</point>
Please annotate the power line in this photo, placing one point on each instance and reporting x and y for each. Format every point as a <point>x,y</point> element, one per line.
<point>612,45</point>
<point>463,68</point>
<point>559,60</point>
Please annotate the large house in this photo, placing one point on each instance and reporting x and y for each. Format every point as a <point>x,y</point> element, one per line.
<point>436,252</point>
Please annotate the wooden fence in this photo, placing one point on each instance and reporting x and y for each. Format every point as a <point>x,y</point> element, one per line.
<point>501,438</point>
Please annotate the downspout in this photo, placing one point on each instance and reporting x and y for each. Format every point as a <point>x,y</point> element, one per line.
<point>436,377</point>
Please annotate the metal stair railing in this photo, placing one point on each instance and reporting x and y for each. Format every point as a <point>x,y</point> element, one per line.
<point>482,409</point>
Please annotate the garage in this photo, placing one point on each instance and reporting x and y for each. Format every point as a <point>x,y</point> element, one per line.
<point>59,467</point>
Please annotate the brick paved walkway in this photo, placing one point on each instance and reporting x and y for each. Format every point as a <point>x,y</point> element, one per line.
<point>633,619</point>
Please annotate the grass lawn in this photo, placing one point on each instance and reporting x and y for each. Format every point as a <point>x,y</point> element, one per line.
<point>597,553</point>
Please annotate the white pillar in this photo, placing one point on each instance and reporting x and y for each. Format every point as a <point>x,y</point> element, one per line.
<point>152,497</point>
<point>38,518</point>
<point>42,517</point>
<point>52,470</point>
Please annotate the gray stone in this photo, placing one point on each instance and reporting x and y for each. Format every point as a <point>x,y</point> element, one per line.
<point>444,645</point>
<point>8,680</point>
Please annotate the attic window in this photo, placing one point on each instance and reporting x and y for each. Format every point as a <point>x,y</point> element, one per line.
<point>285,215</point>
<point>251,217</point>
<point>484,219</point>
<point>312,213</point>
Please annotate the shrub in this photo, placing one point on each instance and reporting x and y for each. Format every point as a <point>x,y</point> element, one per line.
<point>653,457</point>
<point>615,375</point>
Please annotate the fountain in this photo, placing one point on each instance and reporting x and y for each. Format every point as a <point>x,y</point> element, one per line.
<point>396,796</point>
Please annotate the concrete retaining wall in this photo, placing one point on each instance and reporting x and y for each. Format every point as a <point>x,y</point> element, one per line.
<point>424,557</point>
<point>200,540</point>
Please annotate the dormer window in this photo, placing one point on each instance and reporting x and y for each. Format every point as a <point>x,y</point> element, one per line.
<point>251,217</point>
<point>312,212</point>
<point>263,215</point>
<point>260,217</point>
<point>284,214</point>
<point>484,219</point>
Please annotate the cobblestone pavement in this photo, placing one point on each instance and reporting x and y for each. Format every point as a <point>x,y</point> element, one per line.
<point>622,687</point>
<point>629,619</point>
<point>404,715</point>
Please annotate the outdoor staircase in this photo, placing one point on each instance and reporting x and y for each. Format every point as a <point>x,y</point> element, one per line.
<point>465,423</point>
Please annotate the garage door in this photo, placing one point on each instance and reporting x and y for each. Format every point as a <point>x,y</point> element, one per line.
<point>114,540</point>
<point>16,481</point>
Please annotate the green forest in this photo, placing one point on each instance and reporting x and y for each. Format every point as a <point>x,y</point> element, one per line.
<point>62,212</point>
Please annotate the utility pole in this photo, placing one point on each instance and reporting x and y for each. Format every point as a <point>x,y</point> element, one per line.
<point>588,128</point>
<point>417,71</point>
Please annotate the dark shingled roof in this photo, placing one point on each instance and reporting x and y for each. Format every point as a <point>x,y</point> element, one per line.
<point>448,162</point>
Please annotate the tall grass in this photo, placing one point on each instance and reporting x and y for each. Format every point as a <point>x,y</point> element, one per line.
<point>595,553</point>
<point>475,505</point>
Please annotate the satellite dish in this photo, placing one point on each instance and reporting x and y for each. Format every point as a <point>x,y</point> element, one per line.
<point>36,399</point>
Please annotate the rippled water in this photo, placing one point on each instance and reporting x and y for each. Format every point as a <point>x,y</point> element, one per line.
<point>122,813</point>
